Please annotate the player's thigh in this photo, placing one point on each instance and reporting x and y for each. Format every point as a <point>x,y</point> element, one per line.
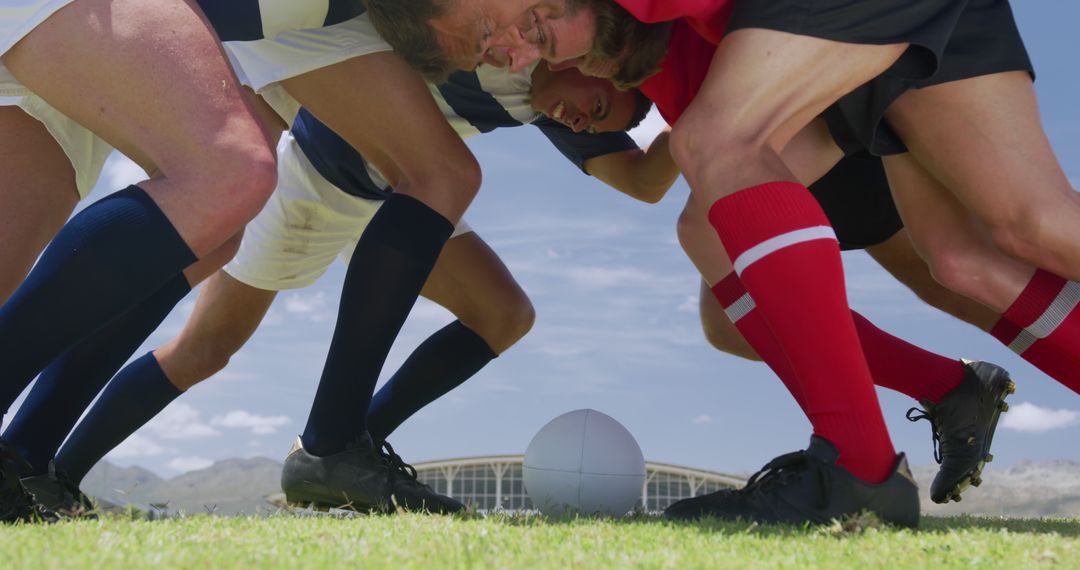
<point>157,85</point>
<point>897,256</point>
<point>982,137</point>
<point>472,282</point>
<point>762,88</point>
<point>37,194</point>
<point>385,110</point>
<point>959,250</point>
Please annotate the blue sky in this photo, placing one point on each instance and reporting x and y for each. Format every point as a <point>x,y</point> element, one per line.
<point>617,327</point>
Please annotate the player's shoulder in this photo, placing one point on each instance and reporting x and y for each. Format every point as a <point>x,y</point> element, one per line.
<point>257,19</point>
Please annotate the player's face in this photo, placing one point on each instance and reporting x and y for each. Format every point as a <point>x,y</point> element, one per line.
<point>582,103</point>
<point>512,33</point>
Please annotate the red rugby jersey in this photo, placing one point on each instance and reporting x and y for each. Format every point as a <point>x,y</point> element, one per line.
<point>708,17</point>
<point>681,73</point>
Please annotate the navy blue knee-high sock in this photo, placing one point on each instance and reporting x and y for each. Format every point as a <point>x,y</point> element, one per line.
<point>70,383</point>
<point>388,269</point>
<point>441,363</point>
<point>134,397</point>
<point>107,259</point>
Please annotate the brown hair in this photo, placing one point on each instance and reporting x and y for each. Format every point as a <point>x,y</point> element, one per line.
<point>404,25</point>
<point>642,106</point>
<point>637,48</point>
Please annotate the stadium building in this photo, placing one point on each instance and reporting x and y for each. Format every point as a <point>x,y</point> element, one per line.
<point>494,481</point>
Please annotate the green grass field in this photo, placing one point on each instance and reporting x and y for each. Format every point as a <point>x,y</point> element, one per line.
<point>417,541</point>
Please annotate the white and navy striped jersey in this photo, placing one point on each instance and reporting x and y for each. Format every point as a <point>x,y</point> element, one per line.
<point>245,20</point>
<point>473,102</point>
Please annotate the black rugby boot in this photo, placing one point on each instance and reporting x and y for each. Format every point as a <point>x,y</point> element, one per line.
<point>409,493</point>
<point>809,487</point>
<point>962,425</point>
<point>16,503</point>
<point>56,492</point>
<point>357,478</point>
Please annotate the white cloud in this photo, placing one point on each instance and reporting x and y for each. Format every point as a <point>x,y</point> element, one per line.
<point>120,172</point>
<point>188,463</point>
<point>181,421</point>
<point>137,446</point>
<point>689,305</point>
<point>1027,417</point>
<point>314,307</point>
<point>649,128</point>
<point>702,419</point>
<point>242,419</point>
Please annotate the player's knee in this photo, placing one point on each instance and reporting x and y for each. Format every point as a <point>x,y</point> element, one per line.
<point>501,321</point>
<point>452,183</point>
<point>188,361</point>
<point>955,269</point>
<point>244,177</point>
<point>686,227</point>
<point>514,320</point>
<point>1017,231</point>
<point>699,150</point>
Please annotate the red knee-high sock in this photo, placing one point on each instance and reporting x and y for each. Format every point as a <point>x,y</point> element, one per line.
<point>741,311</point>
<point>894,363</point>
<point>786,255</point>
<point>1043,326</point>
<point>899,365</point>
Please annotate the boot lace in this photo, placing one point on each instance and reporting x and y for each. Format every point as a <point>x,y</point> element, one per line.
<point>783,471</point>
<point>919,414</point>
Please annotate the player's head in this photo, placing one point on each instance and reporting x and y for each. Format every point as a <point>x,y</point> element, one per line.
<point>620,48</point>
<point>437,37</point>
<point>586,104</point>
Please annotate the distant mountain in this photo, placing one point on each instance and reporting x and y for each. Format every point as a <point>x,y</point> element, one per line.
<point>241,486</point>
<point>1026,489</point>
<point>232,486</point>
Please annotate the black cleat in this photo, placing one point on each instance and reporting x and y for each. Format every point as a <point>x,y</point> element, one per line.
<point>357,478</point>
<point>809,487</point>
<point>409,493</point>
<point>962,425</point>
<point>56,492</point>
<point>16,503</point>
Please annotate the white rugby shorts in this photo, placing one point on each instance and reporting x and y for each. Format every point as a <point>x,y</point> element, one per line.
<point>307,223</point>
<point>86,151</point>
<point>262,64</point>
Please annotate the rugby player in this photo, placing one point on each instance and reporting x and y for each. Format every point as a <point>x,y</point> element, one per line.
<point>729,145</point>
<point>336,191</point>
<point>970,67</point>
<point>179,113</point>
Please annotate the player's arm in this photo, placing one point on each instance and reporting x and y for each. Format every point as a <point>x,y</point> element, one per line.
<point>646,175</point>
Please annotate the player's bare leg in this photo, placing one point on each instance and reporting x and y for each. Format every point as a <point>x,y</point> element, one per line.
<point>1035,306</point>
<point>472,282</point>
<point>37,195</point>
<point>226,314</point>
<point>957,247</point>
<point>982,138</point>
<point>179,105</point>
<point>397,130</point>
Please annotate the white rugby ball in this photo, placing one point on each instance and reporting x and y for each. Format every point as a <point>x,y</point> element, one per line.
<point>584,462</point>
